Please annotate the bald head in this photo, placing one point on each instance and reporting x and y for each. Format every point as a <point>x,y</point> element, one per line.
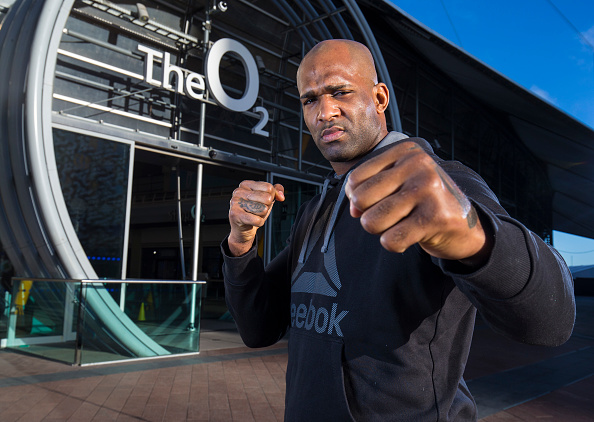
<point>343,102</point>
<point>350,53</point>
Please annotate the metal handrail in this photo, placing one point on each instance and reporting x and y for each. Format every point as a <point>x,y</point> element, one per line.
<point>110,280</point>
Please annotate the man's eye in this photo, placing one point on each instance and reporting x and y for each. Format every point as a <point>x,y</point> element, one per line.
<point>308,101</point>
<point>339,93</point>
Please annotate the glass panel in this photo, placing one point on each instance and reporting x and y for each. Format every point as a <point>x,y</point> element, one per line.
<point>160,320</point>
<point>34,315</point>
<point>99,72</point>
<point>38,308</point>
<point>161,311</point>
<point>217,188</point>
<point>6,272</point>
<point>154,250</point>
<point>94,177</point>
<point>284,213</point>
<point>154,246</point>
<point>35,324</point>
<point>102,60</point>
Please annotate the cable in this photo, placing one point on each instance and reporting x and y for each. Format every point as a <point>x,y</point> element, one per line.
<point>570,23</point>
<point>452,23</point>
<point>566,19</point>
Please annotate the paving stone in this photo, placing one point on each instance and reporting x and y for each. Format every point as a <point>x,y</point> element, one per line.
<point>242,384</point>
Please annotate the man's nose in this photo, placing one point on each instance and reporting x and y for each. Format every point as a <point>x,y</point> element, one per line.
<point>328,109</point>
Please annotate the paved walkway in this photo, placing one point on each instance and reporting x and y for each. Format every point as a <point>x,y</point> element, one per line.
<point>510,381</point>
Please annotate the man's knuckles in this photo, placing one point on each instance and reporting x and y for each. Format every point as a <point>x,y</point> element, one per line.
<point>397,239</point>
<point>383,215</point>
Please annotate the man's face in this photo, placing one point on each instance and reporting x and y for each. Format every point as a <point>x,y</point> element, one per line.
<point>339,105</point>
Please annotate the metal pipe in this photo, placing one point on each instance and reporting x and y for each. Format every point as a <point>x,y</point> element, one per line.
<point>197,222</point>
<point>82,297</point>
<point>179,226</point>
<point>199,172</point>
<point>127,228</point>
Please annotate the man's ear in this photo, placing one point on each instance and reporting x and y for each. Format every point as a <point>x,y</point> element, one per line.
<point>381,96</point>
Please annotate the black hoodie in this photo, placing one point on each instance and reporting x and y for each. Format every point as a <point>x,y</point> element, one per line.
<point>376,335</point>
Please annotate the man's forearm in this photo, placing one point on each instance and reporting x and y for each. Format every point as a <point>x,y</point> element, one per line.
<point>239,248</point>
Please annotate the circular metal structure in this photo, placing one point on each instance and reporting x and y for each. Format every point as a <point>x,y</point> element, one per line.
<point>36,221</point>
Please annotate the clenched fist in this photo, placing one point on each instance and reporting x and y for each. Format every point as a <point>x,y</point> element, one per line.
<point>404,196</point>
<point>249,209</point>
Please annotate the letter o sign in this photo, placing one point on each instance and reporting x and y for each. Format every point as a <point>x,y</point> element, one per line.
<point>213,79</point>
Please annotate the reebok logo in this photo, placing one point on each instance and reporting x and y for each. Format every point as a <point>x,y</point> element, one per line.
<point>319,319</point>
<point>323,281</point>
<point>312,278</point>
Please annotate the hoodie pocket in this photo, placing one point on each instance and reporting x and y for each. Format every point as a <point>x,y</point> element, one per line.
<point>315,381</point>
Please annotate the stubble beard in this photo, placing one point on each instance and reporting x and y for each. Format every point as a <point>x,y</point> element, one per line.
<point>345,150</point>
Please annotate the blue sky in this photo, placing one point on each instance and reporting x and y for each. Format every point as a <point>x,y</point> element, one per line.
<point>547,51</point>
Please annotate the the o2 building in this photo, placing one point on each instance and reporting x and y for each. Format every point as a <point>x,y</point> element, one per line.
<point>125,126</point>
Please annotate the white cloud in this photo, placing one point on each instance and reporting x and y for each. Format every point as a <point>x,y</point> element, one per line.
<point>587,38</point>
<point>584,59</point>
<point>543,94</point>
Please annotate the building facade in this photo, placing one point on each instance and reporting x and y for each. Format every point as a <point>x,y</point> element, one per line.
<point>126,126</point>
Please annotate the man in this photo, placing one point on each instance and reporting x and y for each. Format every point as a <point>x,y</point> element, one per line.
<point>384,271</point>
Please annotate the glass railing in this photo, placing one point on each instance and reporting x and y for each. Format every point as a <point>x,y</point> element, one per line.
<point>97,321</point>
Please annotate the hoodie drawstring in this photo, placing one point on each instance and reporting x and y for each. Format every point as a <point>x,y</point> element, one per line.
<point>390,138</point>
<point>312,221</point>
<point>337,206</point>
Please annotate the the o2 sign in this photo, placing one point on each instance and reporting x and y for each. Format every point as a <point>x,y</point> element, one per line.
<point>194,85</point>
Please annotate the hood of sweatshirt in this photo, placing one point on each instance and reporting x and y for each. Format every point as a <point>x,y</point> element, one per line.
<point>333,180</point>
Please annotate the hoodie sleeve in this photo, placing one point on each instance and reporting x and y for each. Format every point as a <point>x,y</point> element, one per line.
<point>525,289</point>
<point>257,298</point>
